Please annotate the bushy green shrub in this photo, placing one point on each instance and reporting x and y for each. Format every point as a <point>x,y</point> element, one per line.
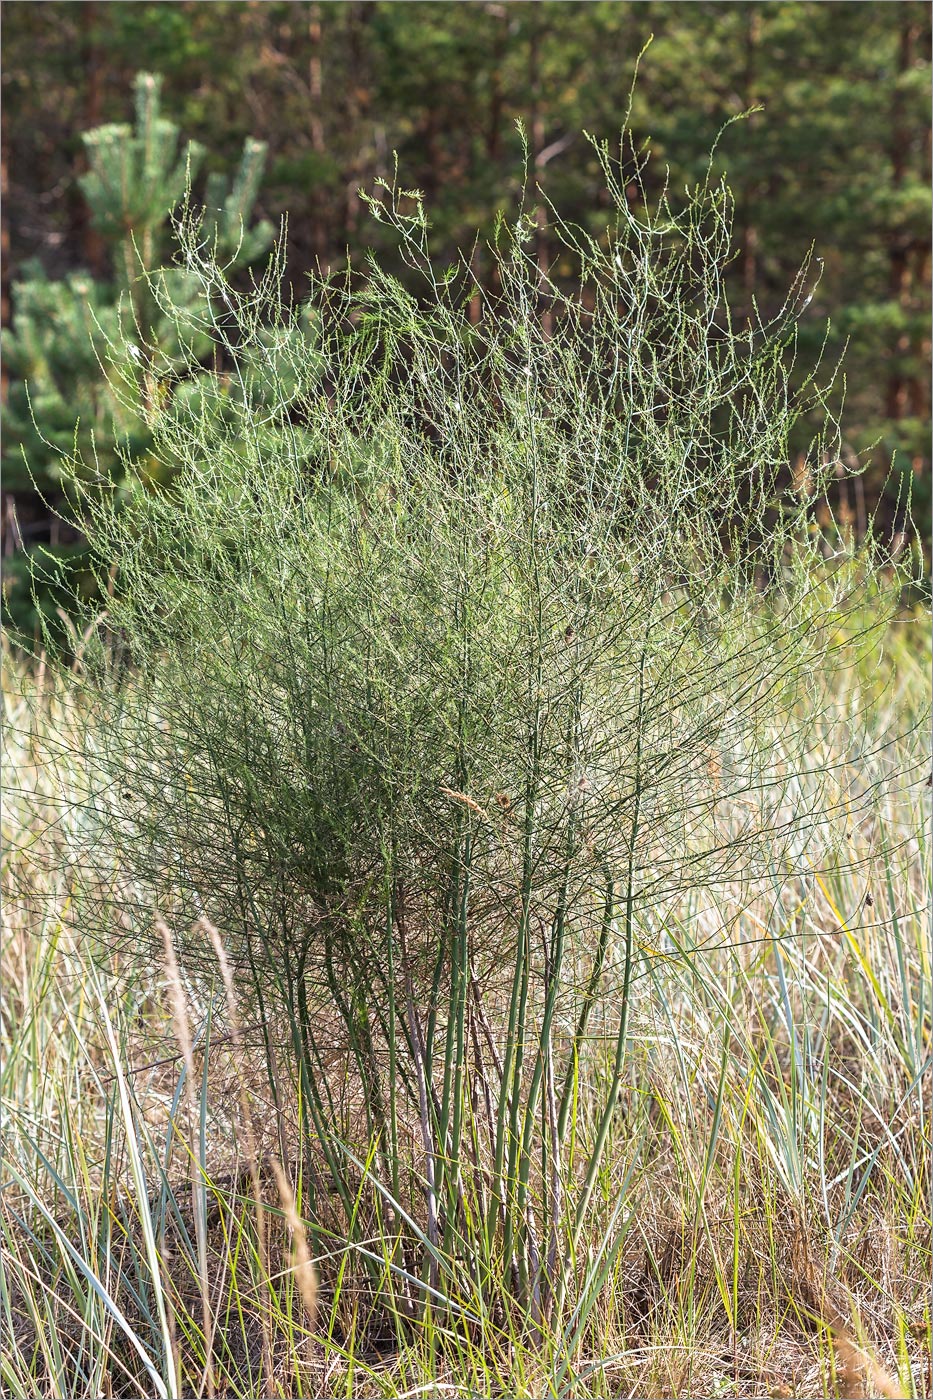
<point>459,646</point>
<point>79,350</point>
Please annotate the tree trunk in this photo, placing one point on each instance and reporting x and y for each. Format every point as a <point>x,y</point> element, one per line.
<point>4,245</point>
<point>920,348</point>
<point>317,220</point>
<point>499,15</point>
<point>899,278</point>
<point>92,245</point>
<point>536,135</point>
<point>359,13</point>
<point>750,230</point>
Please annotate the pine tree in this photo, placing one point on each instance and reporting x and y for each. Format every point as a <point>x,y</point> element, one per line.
<point>71,397</point>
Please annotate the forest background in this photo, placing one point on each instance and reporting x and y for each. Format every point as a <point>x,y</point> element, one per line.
<point>837,158</point>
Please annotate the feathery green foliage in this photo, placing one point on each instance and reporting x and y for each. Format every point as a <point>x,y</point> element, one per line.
<point>69,400</point>
<point>458,653</point>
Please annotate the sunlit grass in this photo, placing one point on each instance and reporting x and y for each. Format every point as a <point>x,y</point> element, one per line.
<point>760,1223</point>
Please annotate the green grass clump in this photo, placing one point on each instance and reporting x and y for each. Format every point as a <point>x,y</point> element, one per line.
<point>490,742</point>
<point>769,1164</point>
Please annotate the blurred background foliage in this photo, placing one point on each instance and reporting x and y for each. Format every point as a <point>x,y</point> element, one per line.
<point>294,107</point>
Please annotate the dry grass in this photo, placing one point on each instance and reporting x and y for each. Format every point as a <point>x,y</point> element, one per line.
<point>761,1224</point>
